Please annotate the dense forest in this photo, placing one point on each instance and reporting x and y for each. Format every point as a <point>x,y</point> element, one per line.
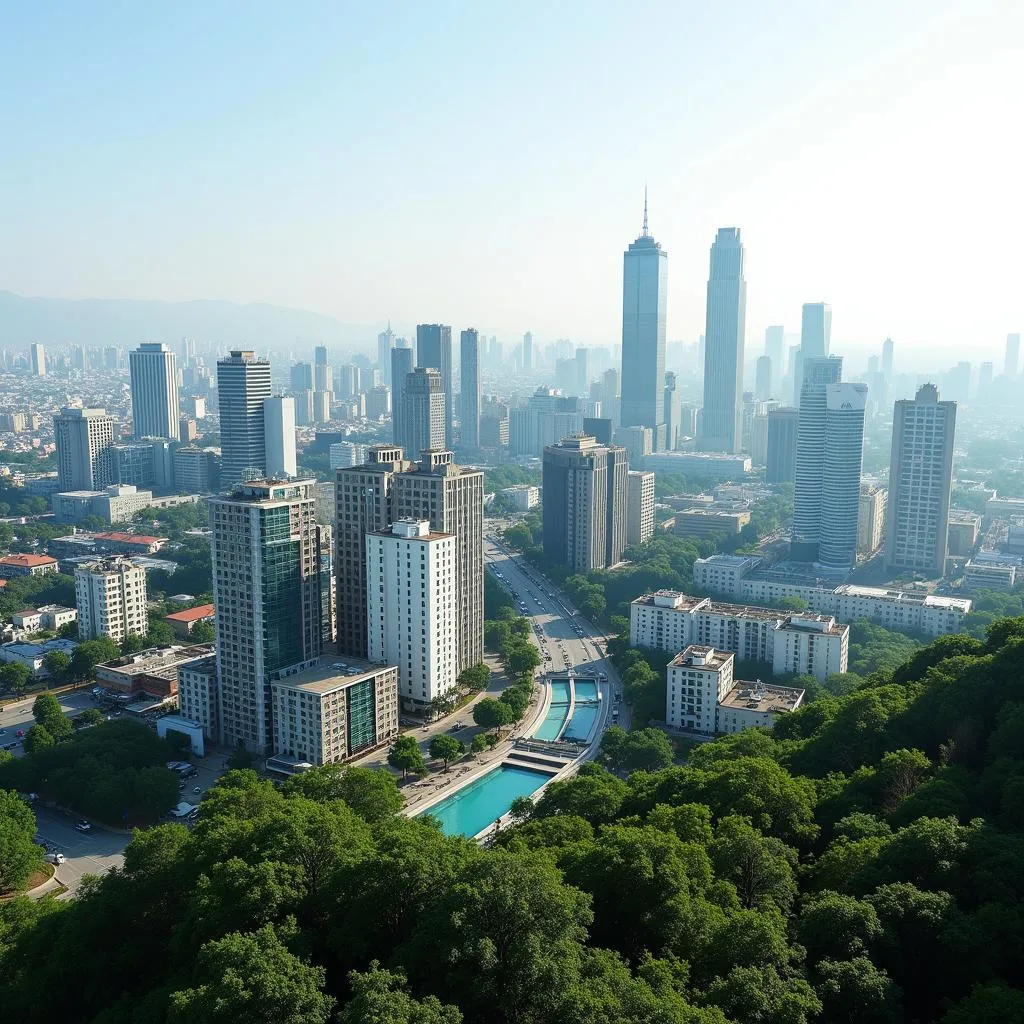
<point>860,864</point>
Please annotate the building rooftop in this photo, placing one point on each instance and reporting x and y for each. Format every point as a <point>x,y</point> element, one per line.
<point>28,561</point>
<point>330,673</point>
<point>26,650</point>
<point>131,538</point>
<point>909,596</point>
<point>809,623</point>
<point>758,696</point>
<point>736,560</point>
<point>156,660</point>
<point>202,611</point>
<point>699,656</point>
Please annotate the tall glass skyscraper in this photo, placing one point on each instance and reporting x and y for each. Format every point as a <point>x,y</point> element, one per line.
<point>644,287</point>
<point>721,419</point>
<point>401,367</point>
<point>434,351</point>
<point>243,382</point>
<point>469,388</point>
<point>815,330</point>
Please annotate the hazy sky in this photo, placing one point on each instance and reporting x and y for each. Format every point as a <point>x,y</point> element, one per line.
<point>483,163</point>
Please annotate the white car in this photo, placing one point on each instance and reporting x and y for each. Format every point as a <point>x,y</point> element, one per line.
<point>55,858</point>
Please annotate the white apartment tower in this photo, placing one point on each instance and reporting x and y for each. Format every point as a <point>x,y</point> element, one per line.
<point>154,387</point>
<point>279,436</point>
<point>411,608</point>
<point>85,456</point>
<point>111,599</point>
<point>243,382</point>
<point>640,507</point>
<point>920,476</point>
<point>698,678</point>
<point>37,355</point>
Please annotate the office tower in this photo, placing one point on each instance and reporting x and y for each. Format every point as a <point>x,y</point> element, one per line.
<point>434,351</point>
<point>385,345</point>
<point>957,382</point>
<point>85,460</point>
<point>920,476</point>
<point>423,411</point>
<point>985,374</point>
<point>37,355</point>
<point>582,371</point>
<point>720,429</point>
<point>144,464</point>
<point>323,377</point>
<point>320,355</point>
<point>874,365</point>
<point>810,455</point>
<point>781,452</point>
<point>815,330</point>
<point>243,382</point>
<point>644,291</point>
<point>328,608</point>
<point>363,497</point>
<point>154,389</point>
<point>321,406</point>
<point>452,498</point>
<point>347,381</point>
<point>188,351</point>
<point>565,375</point>
<point>638,443</point>
<point>870,520</point>
<point>844,457</point>
<point>887,353</point>
<point>78,357</point>
<point>110,595</point>
<point>775,350</point>
<point>266,588</point>
<point>1009,363</point>
<point>195,470</point>
<point>763,379</point>
<point>111,359</point>
<point>401,367</point>
<point>344,454</point>
<point>546,418</point>
<point>378,402</point>
<point>411,608</point>
<point>303,408</point>
<point>599,428</point>
<point>469,387</point>
<point>585,491</point>
<point>640,506</point>
<point>759,437</point>
<point>301,377</point>
<point>528,351</point>
<point>687,421</point>
<point>279,431</point>
<point>187,429</point>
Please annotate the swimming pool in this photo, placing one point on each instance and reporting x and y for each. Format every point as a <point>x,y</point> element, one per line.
<point>482,802</point>
<point>585,711</point>
<point>558,712</point>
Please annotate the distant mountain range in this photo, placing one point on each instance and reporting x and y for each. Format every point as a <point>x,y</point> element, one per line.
<point>129,321</point>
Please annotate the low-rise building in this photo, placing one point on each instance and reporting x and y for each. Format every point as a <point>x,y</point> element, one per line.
<point>115,504</point>
<point>521,497</point>
<point>153,671</point>
<point>963,530</point>
<point>991,573</point>
<point>13,566</point>
<point>129,543</point>
<point>704,465</point>
<point>27,621</point>
<point>197,693</point>
<point>701,522</point>
<point>33,655</point>
<point>47,616</point>
<point>749,705</point>
<point>184,622</point>
<point>330,710</point>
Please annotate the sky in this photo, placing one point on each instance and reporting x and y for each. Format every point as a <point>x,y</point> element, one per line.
<point>483,163</point>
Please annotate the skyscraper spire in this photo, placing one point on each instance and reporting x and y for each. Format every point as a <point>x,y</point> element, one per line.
<point>644,234</point>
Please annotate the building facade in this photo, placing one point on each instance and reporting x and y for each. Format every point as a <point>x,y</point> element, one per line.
<point>434,351</point>
<point>154,388</point>
<point>243,384</point>
<point>871,520</point>
<point>110,596</point>
<point>640,506</point>
<point>469,388</point>
<point>781,451</point>
<point>401,367</point>
<point>423,412</point>
<point>197,694</point>
<point>85,459</point>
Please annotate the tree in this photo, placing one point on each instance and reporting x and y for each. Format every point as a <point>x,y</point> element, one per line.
<point>592,793</point>
<point>47,712</point>
<point>479,744</point>
<point>406,756</point>
<point>371,792</point>
<point>496,634</point>
<point>475,678</point>
<point>240,757</point>
<point>446,748</point>
<point>857,992</point>
<point>517,700</point>
<point>521,809</point>
<point>760,866</point>
<point>522,658</point>
<point>14,678</point>
<point>995,1001</point>
<point>159,632</point>
<point>519,536</point>
<point>253,978</point>
<point>57,665</point>
<point>491,714</point>
<point>19,855</point>
<point>38,738</point>
<point>642,750</point>
<point>132,643</point>
<point>90,716</point>
<point>69,631</point>
<point>203,633</point>
<point>381,997</point>
<point>91,653</point>
<point>837,927</point>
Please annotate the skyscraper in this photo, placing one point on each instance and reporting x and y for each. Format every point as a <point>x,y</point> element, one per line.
<point>644,289</point>
<point>434,351</point>
<point>920,477</point>
<point>775,350</point>
<point>37,358</point>
<point>401,367</point>
<point>423,411</point>
<point>469,388</point>
<point>243,382</point>
<point>385,345</point>
<point>781,453</point>
<point>528,351</point>
<point>672,413</point>
<point>763,379</point>
<point>279,432</point>
<point>582,371</point>
<point>1012,355</point>
<point>815,330</point>
<point>887,354</point>
<point>720,427</point>
<point>266,588</point>
<point>844,457</point>
<point>85,455</point>
<point>154,388</point>
<point>320,355</point>
<point>301,377</point>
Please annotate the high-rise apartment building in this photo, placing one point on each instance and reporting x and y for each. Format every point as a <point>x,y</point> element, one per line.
<point>720,425</point>
<point>469,387</point>
<point>154,388</point>
<point>1012,355</point>
<point>920,478</point>
<point>640,506</point>
<point>434,351</point>
<point>401,367</point>
<point>871,520</point>
<point>411,608</point>
<point>585,503</point>
<point>781,450</point>
<point>110,595</point>
<point>423,411</point>
<point>279,433</point>
<point>301,377</point>
<point>85,457</point>
<point>266,588</point>
<point>243,382</point>
<point>528,351</point>
<point>37,358</point>
<point>546,418</point>
<point>815,330</point>
<point>644,293</point>
<point>638,443</point>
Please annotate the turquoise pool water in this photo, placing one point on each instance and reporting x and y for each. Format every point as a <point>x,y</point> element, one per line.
<point>482,802</point>
<point>558,711</point>
<point>585,712</point>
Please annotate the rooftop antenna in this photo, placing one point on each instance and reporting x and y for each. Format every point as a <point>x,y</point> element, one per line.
<point>644,234</point>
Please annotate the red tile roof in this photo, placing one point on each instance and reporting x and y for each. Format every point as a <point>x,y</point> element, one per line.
<point>130,538</point>
<point>28,560</point>
<point>202,611</point>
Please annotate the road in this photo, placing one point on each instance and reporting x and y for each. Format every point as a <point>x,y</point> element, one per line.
<point>18,715</point>
<point>87,853</point>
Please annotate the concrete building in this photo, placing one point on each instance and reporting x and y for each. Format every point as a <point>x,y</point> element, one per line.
<point>411,608</point>
<point>195,470</point>
<point>698,678</point>
<point>871,520</point>
<point>815,330</point>
<point>322,406</point>
<point>146,464</point>
<point>84,438</point>
<point>115,504</point>
<point>154,390</point>
<point>781,451</point>
<point>639,506</point>
<point>344,454</point>
<point>279,460</point>
<point>13,566</point>
<point>110,596</point>
<point>401,367</point>
<point>185,621</point>
<point>154,671</point>
<point>710,465</point>
<point>423,411</point>
<point>672,413</point>
<point>990,572</point>
<point>197,694</point>
<point>37,359</point>
<point>920,480</point>
<point>32,655</point>
<point>243,383</point>
<point>720,428</point>
<point>964,528</point>
<point>763,379</point>
<point>330,711</point>
<point>546,419</point>
<point>585,503</point>
<point>266,587</point>
<point>756,705</point>
<point>469,388</point>
<point>434,351</point>
<point>638,443</point>
<point>644,293</point>
<point>706,522</point>
<point>521,497</point>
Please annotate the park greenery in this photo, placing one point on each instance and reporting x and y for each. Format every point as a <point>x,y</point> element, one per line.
<point>31,591</point>
<point>859,864</point>
<point>19,855</point>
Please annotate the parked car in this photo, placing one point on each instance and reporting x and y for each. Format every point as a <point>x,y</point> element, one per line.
<point>83,825</point>
<point>55,858</point>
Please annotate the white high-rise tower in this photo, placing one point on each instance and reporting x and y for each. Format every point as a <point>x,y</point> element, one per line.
<point>154,378</point>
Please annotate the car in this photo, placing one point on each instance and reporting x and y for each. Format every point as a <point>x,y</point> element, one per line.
<point>20,733</point>
<point>83,825</point>
<point>56,858</point>
<point>197,789</point>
